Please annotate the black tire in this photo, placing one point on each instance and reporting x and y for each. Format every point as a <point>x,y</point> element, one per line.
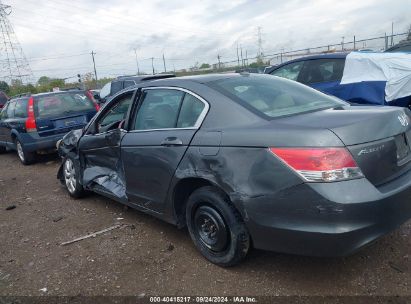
<point>71,179</point>
<point>3,150</point>
<point>26,158</point>
<point>216,227</point>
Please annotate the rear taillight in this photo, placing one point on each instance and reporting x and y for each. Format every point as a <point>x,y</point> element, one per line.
<point>91,97</point>
<point>31,119</point>
<point>320,164</point>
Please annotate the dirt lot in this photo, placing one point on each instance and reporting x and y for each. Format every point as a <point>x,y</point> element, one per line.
<point>147,256</point>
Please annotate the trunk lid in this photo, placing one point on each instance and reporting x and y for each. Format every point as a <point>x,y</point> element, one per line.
<point>379,138</point>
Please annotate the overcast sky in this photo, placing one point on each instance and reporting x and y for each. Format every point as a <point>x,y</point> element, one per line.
<point>57,36</point>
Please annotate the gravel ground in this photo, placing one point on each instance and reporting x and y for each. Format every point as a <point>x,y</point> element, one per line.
<point>147,256</point>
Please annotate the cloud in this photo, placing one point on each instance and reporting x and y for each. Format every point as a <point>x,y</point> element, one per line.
<point>185,31</point>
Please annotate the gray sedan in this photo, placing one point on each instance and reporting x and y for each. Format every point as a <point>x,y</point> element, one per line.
<point>248,160</point>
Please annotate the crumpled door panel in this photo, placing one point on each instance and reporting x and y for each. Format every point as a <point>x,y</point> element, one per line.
<point>96,177</point>
<point>97,158</point>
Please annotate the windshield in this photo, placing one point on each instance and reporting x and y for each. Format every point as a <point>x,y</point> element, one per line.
<point>61,104</point>
<point>273,97</point>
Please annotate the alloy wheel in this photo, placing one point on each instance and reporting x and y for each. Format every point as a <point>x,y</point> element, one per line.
<point>20,152</point>
<point>70,175</point>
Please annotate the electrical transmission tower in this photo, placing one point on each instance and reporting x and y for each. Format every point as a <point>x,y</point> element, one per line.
<point>13,63</point>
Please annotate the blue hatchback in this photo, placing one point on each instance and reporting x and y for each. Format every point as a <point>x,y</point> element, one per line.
<point>34,123</point>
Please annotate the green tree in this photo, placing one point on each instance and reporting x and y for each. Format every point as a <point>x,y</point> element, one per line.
<point>56,83</point>
<point>43,81</point>
<point>4,86</point>
<point>205,66</point>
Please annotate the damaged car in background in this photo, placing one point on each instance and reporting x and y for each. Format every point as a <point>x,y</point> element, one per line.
<point>247,160</point>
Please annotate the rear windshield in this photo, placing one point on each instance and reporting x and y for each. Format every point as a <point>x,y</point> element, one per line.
<point>62,104</point>
<point>274,97</point>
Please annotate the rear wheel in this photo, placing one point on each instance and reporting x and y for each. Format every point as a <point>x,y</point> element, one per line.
<point>25,157</point>
<point>71,179</point>
<point>2,149</point>
<point>216,227</point>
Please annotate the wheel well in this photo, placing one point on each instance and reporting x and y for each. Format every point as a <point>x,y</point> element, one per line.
<point>181,193</point>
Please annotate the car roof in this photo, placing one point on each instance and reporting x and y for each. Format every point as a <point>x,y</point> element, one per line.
<point>398,46</point>
<point>139,78</point>
<point>204,78</point>
<point>180,81</point>
<point>305,58</point>
<point>321,56</point>
<point>46,93</point>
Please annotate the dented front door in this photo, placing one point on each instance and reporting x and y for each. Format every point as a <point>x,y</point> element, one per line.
<point>102,165</point>
<point>100,151</point>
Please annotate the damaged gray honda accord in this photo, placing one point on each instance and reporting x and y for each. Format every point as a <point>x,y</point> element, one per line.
<point>248,160</point>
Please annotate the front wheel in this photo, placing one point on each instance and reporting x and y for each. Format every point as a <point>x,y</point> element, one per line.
<point>216,227</point>
<point>71,179</point>
<point>25,157</point>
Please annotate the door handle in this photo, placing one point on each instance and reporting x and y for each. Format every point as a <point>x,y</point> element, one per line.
<point>172,141</point>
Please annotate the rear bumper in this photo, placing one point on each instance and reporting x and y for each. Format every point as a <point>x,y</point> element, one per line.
<point>33,142</point>
<point>334,219</point>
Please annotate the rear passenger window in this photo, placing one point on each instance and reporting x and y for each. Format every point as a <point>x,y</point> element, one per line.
<point>190,111</point>
<point>322,70</point>
<point>21,108</point>
<point>10,109</point>
<point>159,109</point>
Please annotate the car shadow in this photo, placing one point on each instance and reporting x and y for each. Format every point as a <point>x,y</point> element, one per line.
<point>45,158</point>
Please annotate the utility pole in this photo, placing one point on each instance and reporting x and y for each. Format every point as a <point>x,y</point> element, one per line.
<point>260,43</point>
<point>152,63</point>
<point>242,60</point>
<point>238,58</point>
<point>95,71</point>
<point>138,68</point>
<point>219,63</point>
<point>164,63</point>
<point>246,57</point>
<point>342,43</point>
<point>386,41</point>
<point>392,33</point>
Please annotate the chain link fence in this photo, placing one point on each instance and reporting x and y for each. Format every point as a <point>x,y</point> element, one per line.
<point>378,44</point>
